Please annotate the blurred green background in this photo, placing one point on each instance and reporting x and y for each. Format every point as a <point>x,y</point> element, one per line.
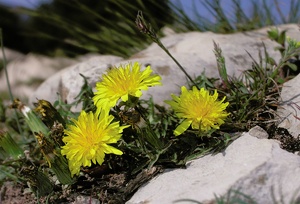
<point>75,27</point>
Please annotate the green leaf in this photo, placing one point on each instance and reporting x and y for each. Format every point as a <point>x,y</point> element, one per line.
<point>61,169</point>
<point>273,34</point>
<point>182,127</point>
<point>7,172</point>
<point>292,66</point>
<point>282,37</point>
<point>9,145</point>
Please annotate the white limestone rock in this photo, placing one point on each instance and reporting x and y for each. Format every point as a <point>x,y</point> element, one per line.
<point>26,73</point>
<point>258,132</point>
<point>254,167</point>
<point>193,50</point>
<point>172,77</point>
<point>68,82</point>
<point>10,54</point>
<point>288,110</point>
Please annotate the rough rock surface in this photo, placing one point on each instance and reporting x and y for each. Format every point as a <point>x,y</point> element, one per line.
<point>10,55</point>
<point>67,82</point>
<point>27,72</point>
<point>193,50</point>
<point>252,166</point>
<point>290,107</point>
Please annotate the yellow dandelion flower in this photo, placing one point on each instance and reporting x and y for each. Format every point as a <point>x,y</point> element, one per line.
<point>88,139</point>
<point>198,108</point>
<point>121,82</point>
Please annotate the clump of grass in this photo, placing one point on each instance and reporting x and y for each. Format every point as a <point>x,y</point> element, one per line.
<point>105,27</point>
<point>236,18</point>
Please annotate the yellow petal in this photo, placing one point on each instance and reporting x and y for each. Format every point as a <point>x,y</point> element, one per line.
<point>182,127</point>
<point>86,140</point>
<point>120,81</point>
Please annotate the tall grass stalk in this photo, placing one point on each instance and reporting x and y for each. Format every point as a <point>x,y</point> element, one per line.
<point>106,28</point>
<point>7,80</point>
<point>147,29</point>
<point>236,18</point>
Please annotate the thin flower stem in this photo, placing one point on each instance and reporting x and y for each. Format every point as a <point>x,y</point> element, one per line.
<point>7,79</point>
<point>159,43</point>
<point>148,30</point>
